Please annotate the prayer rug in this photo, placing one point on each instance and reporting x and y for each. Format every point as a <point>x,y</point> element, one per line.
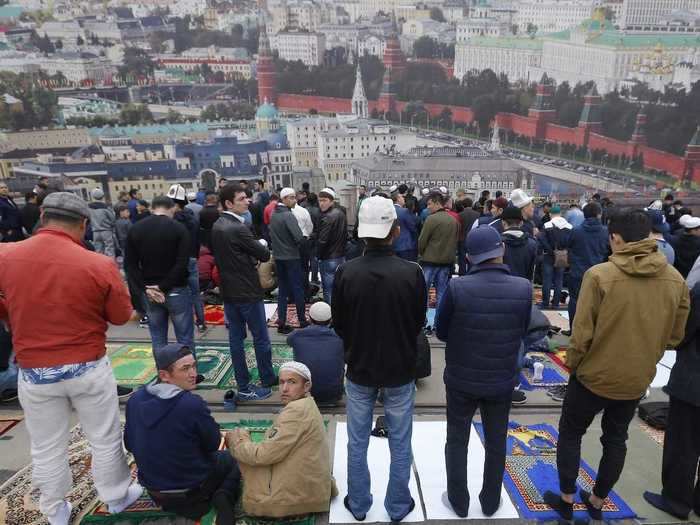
<point>292,318</point>
<point>214,314</point>
<point>133,364</point>
<point>214,363</point>
<point>432,298</point>
<point>537,295</point>
<point>7,424</point>
<point>554,373</point>
<point>655,434</point>
<point>531,470</point>
<point>19,503</point>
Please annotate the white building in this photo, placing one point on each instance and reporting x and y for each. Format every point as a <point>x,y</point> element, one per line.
<point>347,36</point>
<point>78,67</point>
<point>290,15</point>
<point>513,56</point>
<point>646,14</point>
<point>182,8</point>
<point>552,15</point>
<point>455,11</point>
<point>371,45</point>
<point>482,26</point>
<point>16,62</point>
<point>307,47</point>
<point>234,62</point>
<point>63,31</point>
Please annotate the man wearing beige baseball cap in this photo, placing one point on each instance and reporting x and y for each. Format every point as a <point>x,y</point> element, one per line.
<point>379,290</point>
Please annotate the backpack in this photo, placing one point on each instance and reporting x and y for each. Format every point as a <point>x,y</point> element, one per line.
<point>654,413</point>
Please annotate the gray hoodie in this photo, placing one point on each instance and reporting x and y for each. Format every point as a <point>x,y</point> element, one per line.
<point>102,217</point>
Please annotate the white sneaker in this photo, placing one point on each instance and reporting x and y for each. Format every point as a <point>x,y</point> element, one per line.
<point>132,494</point>
<point>62,514</point>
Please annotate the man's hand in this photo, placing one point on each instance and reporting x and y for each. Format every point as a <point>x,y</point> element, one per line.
<point>236,437</point>
<point>155,295</point>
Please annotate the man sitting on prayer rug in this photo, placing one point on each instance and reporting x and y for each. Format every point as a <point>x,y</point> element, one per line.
<point>289,472</point>
<point>176,442</point>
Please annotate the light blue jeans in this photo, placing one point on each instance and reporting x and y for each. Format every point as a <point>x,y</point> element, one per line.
<point>439,275</point>
<point>177,308</point>
<point>328,267</point>
<point>398,411</point>
<point>193,283</point>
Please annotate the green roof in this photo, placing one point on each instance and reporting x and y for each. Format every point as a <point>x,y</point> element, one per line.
<point>505,42</point>
<point>267,111</point>
<point>11,11</point>
<point>163,129</point>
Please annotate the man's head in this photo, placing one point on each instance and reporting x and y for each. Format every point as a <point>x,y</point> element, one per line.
<point>274,198</point>
<point>244,183</point>
<point>178,194</point>
<point>43,183</point>
<point>547,207</point>
<point>499,193</point>
<point>555,210</point>
<point>592,210</point>
<point>320,313</point>
<point>4,190</point>
<point>522,200</point>
<point>668,199</point>
<point>301,196</point>
<point>124,212</point>
<point>363,190</point>
<point>295,381</point>
<point>123,197</point>
<point>658,222</point>
<point>486,194</point>
<point>163,205</point>
<point>211,198</point>
<point>288,196</point>
<point>30,197</point>
<point>377,221</point>
<point>497,206</point>
<point>65,211</point>
<point>191,196</point>
<point>234,198</point>
<point>133,193</point>
<point>141,206</point>
<point>259,185</point>
<point>97,194</point>
<point>467,203</point>
<point>326,199</point>
<point>460,194</point>
<point>436,201</point>
<point>484,244</point>
<point>512,217</point>
<point>398,199</point>
<point>176,366</point>
<point>690,224</point>
<point>629,226</point>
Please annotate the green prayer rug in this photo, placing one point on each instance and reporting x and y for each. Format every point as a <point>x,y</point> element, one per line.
<point>214,362</point>
<point>132,363</point>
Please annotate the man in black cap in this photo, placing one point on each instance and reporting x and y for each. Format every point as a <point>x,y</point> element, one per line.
<point>520,249</point>
<point>175,442</point>
<point>483,318</point>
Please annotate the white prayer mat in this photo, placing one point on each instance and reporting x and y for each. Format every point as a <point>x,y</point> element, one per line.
<point>669,359</point>
<point>270,310</point>
<point>565,315</point>
<point>429,457</point>
<point>378,460</point>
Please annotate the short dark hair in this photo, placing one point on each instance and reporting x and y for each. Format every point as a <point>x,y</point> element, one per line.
<point>29,196</point>
<point>133,192</point>
<point>668,197</point>
<point>261,182</point>
<point>631,225</point>
<point>312,199</point>
<point>467,203</point>
<point>162,201</point>
<point>305,186</point>
<point>592,209</point>
<point>68,220</point>
<point>436,197</point>
<point>228,193</point>
<point>485,193</point>
<point>596,196</point>
<point>373,243</point>
<point>547,204</point>
<point>499,193</point>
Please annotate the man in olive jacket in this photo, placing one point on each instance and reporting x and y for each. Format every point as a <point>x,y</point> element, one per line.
<point>619,336</point>
<point>237,254</point>
<point>437,244</point>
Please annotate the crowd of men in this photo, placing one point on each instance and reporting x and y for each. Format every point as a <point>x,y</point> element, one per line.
<point>361,340</point>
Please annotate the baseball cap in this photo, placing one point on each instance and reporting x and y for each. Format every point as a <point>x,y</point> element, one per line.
<point>519,198</point>
<point>67,204</point>
<point>484,243</point>
<point>327,192</point>
<point>287,192</point>
<point>689,222</point>
<point>501,203</point>
<point>177,193</point>
<point>377,215</point>
<point>168,354</point>
<point>97,194</point>
<point>320,312</point>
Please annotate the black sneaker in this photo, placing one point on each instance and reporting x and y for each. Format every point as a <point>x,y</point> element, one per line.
<point>201,328</point>
<point>123,391</point>
<point>567,333</point>
<point>518,398</point>
<point>561,507</point>
<point>8,395</point>
<point>143,322</point>
<point>557,393</point>
<point>593,512</point>
<point>358,517</point>
<point>285,329</point>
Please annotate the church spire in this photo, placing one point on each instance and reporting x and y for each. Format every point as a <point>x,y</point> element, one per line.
<point>360,105</point>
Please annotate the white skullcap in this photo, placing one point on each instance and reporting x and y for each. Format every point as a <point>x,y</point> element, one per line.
<point>320,312</point>
<point>425,191</point>
<point>443,190</point>
<point>191,196</point>
<point>286,192</point>
<point>689,222</point>
<point>393,188</point>
<point>328,192</point>
<point>297,368</point>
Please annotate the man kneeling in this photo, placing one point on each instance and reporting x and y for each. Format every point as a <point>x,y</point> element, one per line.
<point>289,472</point>
<point>176,442</point>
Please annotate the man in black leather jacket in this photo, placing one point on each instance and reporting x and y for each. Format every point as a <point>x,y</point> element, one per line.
<point>332,238</point>
<point>237,254</point>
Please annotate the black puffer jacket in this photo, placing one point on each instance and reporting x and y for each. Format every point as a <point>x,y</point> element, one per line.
<point>332,234</point>
<point>187,218</point>
<point>684,383</point>
<point>237,253</point>
<point>687,248</point>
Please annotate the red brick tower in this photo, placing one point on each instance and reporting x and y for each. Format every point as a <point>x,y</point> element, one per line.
<point>542,109</point>
<point>394,68</point>
<point>639,135</point>
<point>267,88</point>
<point>692,158</point>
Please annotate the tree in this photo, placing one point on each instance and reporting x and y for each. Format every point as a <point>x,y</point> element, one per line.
<point>43,44</point>
<point>436,14</point>
<point>313,111</point>
<point>136,63</point>
<point>134,114</point>
<point>484,110</point>
<point>59,44</point>
<point>80,41</point>
<point>531,29</point>
<point>425,47</point>
<point>174,117</point>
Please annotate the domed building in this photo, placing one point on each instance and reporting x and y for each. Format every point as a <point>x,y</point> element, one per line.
<point>267,119</point>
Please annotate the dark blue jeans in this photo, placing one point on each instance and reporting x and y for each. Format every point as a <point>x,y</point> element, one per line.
<point>462,257</point>
<point>177,308</point>
<point>439,275</point>
<point>551,277</point>
<point>574,288</point>
<point>494,416</point>
<point>328,267</point>
<point>252,314</point>
<point>291,280</point>
<point>193,282</point>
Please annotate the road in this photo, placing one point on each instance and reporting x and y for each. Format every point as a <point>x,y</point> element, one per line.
<point>574,177</point>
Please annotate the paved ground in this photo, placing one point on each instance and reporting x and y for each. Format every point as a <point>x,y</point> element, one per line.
<point>642,470</point>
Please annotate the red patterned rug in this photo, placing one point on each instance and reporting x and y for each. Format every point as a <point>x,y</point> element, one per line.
<point>7,424</point>
<point>292,319</point>
<point>214,314</point>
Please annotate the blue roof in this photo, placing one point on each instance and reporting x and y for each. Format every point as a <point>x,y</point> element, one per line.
<point>267,111</point>
<point>277,140</point>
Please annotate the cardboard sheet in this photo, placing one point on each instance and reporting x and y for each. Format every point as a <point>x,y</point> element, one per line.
<point>429,458</point>
<point>270,310</point>
<point>378,460</point>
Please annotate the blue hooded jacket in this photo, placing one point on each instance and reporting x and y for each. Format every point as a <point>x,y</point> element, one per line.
<point>409,230</point>
<point>172,436</point>
<point>589,246</point>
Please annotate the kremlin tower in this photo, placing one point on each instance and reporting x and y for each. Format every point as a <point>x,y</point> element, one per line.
<point>267,89</point>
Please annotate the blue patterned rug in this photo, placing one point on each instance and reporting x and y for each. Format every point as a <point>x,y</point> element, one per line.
<point>531,470</point>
